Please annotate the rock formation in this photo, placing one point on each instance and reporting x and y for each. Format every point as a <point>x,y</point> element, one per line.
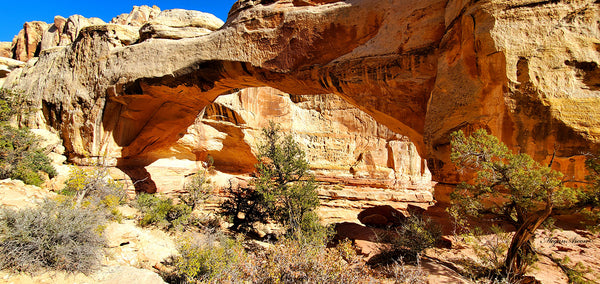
<point>7,65</point>
<point>525,70</point>
<point>138,16</point>
<point>5,50</point>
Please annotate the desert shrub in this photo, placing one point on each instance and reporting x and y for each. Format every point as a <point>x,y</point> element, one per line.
<point>161,212</point>
<point>575,273</point>
<point>95,187</point>
<point>216,259</point>
<point>20,154</point>
<point>12,103</point>
<point>489,250</point>
<point>197,188</point>
<point>399,272</point>
<point>416,234</point>
<point>54,235</point>
<point>293,261</point>
<point>514,188</point>
<point>21,157</point>
<point>221,259</point>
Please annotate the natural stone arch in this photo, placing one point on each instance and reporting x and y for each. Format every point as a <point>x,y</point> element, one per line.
<point>423,68</point>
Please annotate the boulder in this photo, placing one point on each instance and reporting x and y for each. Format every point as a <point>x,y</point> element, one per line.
<point>353,231</point>
<point>15,194</point>
<point>131,245</point>
<point>74,25</point>
<point>7,65</point>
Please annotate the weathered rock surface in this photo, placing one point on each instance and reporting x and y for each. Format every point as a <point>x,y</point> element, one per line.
<point>15,194</point>
<point>7,65</point>
<point>525,70</point>
<point>358,162</point>
<point>130,245</point>
<point>5,47</point>
<point>26,43</point>
<point>138,16</point>
<point>36,37</point>
<point>178,24</point>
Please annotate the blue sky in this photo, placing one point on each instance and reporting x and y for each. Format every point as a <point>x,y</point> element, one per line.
<point>15,13</point>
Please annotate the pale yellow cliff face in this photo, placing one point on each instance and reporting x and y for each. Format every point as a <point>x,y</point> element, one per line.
<point>524,70</point>
<point>527,72</point>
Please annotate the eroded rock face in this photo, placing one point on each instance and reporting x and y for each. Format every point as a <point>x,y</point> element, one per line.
<point>358,162</point>
<point>525,70</point>
<point>138,16</point>
<point>26,43</point>
<point>7,65</point>
<point>5,49</point>
<point>178,24</point>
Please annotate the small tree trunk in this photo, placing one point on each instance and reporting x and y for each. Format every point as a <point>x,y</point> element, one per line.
<point>521,246</point>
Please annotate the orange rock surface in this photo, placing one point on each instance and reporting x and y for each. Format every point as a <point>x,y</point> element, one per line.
<point>525,70</point>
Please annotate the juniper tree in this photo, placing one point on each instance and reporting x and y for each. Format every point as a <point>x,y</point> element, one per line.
<point>283,191</point>
<point>511,187</point>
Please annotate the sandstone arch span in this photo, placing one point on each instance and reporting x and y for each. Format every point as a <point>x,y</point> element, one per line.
<point>422,68</point>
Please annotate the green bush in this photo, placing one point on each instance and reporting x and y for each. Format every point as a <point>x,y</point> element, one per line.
<point>161,212</point>
<point>215,260</point>
<point>95,188</point>
<point>12,103</point>
<point>21,157</point>
<point>417,233</point>
<point>53,235</point>
<point>220,259</point>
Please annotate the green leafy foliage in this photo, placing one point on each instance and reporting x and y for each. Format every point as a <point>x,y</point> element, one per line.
<point>54,235</point>
<point>12,103</point>
<point>512,187</point>
<point>221,259</point>
<point>215,260</point>
<point>95,187</point>
<point>284,191</point>
<point>20,155</point>
<point>589,196</point>
<point>289,191</point>
<point>161,212</point>
<point>417,233</point>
